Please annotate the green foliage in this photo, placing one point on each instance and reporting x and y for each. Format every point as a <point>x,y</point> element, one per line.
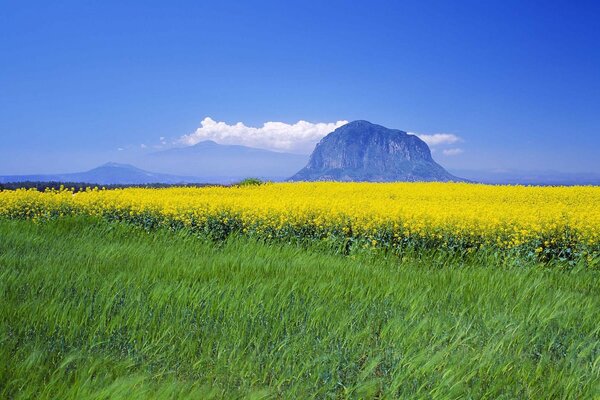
<point>94,309</point>
<point>250,182</point>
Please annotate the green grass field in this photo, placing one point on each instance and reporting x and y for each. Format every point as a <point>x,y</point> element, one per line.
<point>92,309</point>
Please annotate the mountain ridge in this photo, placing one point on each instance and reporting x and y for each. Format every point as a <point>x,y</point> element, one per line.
<point>209,158</point>
<point>211,144</point>
<point>110,173</point>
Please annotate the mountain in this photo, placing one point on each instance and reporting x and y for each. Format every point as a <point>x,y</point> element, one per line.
<point>205,162</point>
<point>224,163</point>
<point>107,174</point>
<point>362,151</point>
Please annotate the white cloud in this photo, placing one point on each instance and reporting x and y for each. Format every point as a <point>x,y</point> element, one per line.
<point>452,152</point>
<point>300,137</point>
<point>438,139</point>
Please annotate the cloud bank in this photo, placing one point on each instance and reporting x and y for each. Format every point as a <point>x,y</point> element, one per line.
<point>300,137</point>
<point>441,140</point>
<point>452,152</point>
<point>438,139</point>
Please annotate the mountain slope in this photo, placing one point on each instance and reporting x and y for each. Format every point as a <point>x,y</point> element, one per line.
<point>362,151</point>
<point>226,162</point>
<point>107,174</point>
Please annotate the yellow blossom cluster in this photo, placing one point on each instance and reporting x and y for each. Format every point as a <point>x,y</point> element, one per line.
<point>436,214</point>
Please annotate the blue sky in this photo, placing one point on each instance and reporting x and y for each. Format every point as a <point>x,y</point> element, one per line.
<point>518,82</point>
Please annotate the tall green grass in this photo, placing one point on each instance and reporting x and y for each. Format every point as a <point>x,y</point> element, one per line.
<point>90,309</point>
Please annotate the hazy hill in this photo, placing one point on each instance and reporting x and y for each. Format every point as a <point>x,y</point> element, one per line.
<point>211,160</point>
<point>107,174</point>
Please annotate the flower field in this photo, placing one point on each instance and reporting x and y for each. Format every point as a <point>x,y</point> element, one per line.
<point>322,290</point>
<point>548,222</point>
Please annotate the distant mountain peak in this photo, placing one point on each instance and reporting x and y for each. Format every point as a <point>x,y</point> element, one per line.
<point>224,162</point>
<point>363,151</point>
<point>206,142</point>
<point>359,123</point>
<point>117,165</point>
<point>111,173</point>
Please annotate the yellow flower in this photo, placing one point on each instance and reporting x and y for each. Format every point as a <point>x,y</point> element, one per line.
<point>506,216</point>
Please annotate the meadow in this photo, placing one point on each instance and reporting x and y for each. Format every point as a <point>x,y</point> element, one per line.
<point>300,291</point>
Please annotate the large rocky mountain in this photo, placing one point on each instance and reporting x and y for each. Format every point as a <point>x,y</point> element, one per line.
<point>362,151</point>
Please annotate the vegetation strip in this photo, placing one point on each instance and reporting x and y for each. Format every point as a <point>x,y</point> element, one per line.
<point>544,223</point>
<point>91,309</point>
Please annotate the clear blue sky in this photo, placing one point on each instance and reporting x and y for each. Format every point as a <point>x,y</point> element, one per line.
<point>518,81</point>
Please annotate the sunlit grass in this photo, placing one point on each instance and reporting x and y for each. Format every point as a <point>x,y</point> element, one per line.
<point>105,310</point>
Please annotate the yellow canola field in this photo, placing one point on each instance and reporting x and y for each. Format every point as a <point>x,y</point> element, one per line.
<point>441,214</point>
